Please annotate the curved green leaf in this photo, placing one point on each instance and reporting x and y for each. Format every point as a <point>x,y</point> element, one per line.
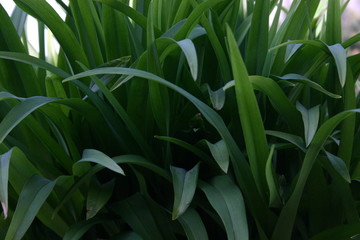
<point>189,50</point>
<point>188,147</point>
<point>339,166</point>
<point>250,117</point>
<point>279,100</point>
<point>25,58</point>
<point>193,225</point>
<point>296,140</point>
<point>184,183</point>
<point>274,200</point>
<point>95,156</point>
<point>226,198</point>
<point>308,82</point>
<point>217,97</point>
<point>310,120</point>
<point>220,153</point>
<point>31,198</point>
<point>339,55</point>
<point>19,112</point>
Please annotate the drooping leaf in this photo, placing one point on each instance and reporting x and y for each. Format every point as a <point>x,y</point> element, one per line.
<point>308,82</point>
<point>95,156</point>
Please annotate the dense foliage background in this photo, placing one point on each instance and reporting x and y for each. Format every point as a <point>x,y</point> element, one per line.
<point>180,120</point>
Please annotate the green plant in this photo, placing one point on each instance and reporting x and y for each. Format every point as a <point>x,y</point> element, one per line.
<point>125,137</point>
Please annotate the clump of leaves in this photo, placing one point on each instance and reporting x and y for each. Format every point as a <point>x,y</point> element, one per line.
<point>179,120</point>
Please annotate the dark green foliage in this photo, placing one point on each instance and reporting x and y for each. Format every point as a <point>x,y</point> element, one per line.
<point>180,120</point>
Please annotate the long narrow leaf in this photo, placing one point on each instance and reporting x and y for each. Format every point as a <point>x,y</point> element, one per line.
<point>251,121</point>
<point>32,197</point>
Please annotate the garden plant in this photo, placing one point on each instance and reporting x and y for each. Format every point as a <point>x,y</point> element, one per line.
<point>179,119</point>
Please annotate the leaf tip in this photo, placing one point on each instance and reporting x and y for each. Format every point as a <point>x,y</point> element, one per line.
<point>5,209</point>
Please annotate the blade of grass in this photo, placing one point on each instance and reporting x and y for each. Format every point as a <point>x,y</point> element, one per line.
<point>257,44</point>
<point>250,118</point>
<point>333,23</point>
